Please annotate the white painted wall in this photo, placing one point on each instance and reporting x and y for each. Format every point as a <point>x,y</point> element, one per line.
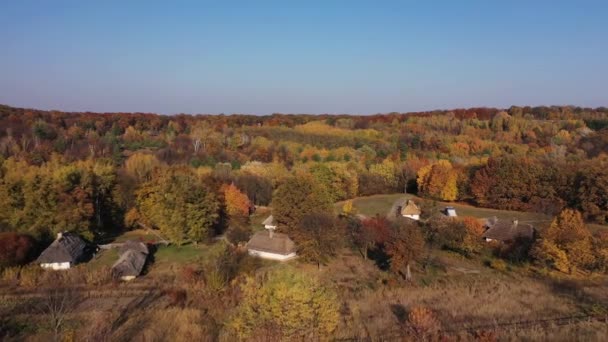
<point>413,217</point>
<point>56,265</point>
<point>270,226</point>
<point>271,256</point>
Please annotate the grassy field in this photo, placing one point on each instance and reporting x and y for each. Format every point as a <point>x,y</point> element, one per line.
<point>463,293</point>
<point>104,258</point>
<point>381,204</point>
<point>376,204</point>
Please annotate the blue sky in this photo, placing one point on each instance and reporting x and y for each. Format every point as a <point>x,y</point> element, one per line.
<point>261,57</point>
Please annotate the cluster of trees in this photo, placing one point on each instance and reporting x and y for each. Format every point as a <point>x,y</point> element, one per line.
<point>95,173</point>
<point>568,245</point>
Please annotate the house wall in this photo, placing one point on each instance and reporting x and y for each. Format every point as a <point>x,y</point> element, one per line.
<point>56,265</point>
<point>413,217</point>
<point>271,256</point>
<point>270,227</point>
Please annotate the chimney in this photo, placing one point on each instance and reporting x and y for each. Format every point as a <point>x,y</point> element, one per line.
<point>270,232</point>
<point>59,235</point>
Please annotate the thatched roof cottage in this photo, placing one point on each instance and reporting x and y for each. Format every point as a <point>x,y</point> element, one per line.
<point>130,264</point>
<point>67,250</point>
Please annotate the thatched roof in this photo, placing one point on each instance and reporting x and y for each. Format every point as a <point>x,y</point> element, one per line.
<point>269,221</point>
<point>278,243</point>
<point>130,263</point>
<point>505,230</point>
<point>410,208</point>
<point>137,246</point>
<point>133,255</point>
<point>67,247</point>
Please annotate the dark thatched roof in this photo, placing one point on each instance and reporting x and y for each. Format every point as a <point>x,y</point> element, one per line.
<point>133,245</point>
<point>278,243</point>
<point>505,230</point>
<point>130,263</point>
<point>133,255</point>
<point>67,247</point>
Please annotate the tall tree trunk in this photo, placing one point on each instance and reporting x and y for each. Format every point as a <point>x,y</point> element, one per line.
<point>408,273</point>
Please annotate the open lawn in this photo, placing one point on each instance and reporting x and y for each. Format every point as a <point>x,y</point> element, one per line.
<point>104,258</point>
<point>382,204</point>
<point>372,205</point>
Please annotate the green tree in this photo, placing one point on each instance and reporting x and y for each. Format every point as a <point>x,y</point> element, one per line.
<point>318,237</point>
<point>178,204</point>
<point>297,197</point>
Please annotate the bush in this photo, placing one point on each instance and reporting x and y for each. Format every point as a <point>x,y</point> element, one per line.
<point>177,297</point>
<point>423,321</point>
<point>10,275</point>
<point>190,275</point>
<point>30,276</point>
<point>547,254</point>
<point>238,233</point>
<point>498,265</point>
<point>15,249</point>
<point>98,277</point>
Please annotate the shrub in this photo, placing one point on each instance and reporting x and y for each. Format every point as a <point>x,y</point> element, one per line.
<point>98,277</point>
<point>485,336</point>
<point>189,274</point>
<point>177,297</point>
<point>423,321</point>
<point>547,254</point>
<point>15,249</point>
<point>498,265</point>
<point>238,233</point>
<point>30,276</point>
<point>10,274</point>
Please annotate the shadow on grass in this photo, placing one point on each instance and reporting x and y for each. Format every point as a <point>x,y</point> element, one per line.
<point>379,256</point>
<point>400,312</point>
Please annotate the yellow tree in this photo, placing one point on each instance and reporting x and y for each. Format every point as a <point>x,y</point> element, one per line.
<point>386,170</point>
<point>567,234</point>
<point>140,166</point>
<point>285,303</point>
<point>438,180</point>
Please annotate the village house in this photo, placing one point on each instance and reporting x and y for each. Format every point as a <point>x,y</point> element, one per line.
<point>450,212</point>
<point>268,244</point>
<point>410,210</point>
<point>507,230</point>
<point>133,256</point>
<point>66,251</point>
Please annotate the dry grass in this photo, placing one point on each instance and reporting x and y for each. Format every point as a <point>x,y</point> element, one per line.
<point>461,300</point>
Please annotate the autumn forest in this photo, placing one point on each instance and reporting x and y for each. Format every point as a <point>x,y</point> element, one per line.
<point>191,180</point>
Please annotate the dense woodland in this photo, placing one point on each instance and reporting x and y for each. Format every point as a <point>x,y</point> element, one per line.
<point>86,171</point>
<point>195,177</point>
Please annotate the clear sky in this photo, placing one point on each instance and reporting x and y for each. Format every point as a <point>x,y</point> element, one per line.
<point>301,56</point>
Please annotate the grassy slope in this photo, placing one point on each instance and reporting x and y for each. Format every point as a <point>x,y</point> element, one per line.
<point>381,204</point>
